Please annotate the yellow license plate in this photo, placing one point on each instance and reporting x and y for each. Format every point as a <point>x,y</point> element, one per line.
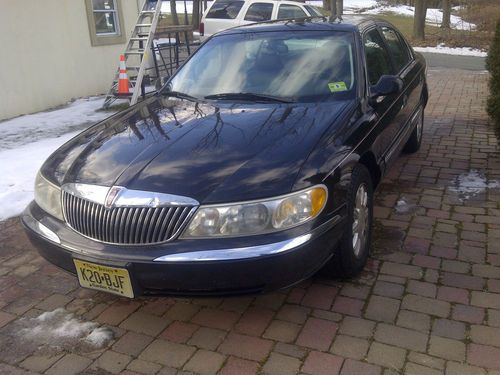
<point>104,278</point>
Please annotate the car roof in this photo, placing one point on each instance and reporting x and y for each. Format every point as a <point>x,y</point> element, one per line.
<point>345,23</point>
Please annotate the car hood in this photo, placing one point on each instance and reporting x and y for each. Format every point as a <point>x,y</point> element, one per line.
<point>212,153</point>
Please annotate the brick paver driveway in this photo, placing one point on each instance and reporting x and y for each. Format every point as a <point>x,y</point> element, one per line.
<point>428,303</point>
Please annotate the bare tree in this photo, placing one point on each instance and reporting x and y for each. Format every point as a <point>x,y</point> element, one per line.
<point>419,20</point>
<point>326,4</point>
<point>446,4</point>
<point>340,7</point>
<point>173,11</point>
<point>336,7</point>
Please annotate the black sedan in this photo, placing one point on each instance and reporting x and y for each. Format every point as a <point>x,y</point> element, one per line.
<point>253,168</point>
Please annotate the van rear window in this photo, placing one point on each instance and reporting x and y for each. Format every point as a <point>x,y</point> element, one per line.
<point>225,9</point>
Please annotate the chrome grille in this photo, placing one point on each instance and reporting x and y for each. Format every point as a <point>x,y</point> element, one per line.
<point>124,225</point>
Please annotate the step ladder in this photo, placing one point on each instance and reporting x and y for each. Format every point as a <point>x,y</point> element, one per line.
<point>136,52</point>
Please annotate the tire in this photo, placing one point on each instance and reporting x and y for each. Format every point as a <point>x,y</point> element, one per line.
<point>350,257</point>
<point>415,140</point>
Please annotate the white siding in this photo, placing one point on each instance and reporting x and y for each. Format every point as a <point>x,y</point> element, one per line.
<point>46,57</point>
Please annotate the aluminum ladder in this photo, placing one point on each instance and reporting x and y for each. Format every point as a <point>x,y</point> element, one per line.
<point>136,52</point>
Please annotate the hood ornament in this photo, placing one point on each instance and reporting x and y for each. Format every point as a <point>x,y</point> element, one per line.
<point>112,196</point>
<point>119,196</point>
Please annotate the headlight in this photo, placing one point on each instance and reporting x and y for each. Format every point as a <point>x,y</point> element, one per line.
<point>256,217</point>
<point>48,196</point>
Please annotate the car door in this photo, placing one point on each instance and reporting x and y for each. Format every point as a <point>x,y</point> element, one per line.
<point>405,68</point>
<point>378,64</point>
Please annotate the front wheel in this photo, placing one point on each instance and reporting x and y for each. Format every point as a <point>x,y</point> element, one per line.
<point>351,255</point>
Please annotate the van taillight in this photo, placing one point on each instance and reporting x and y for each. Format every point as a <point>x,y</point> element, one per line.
<point>202,29</point>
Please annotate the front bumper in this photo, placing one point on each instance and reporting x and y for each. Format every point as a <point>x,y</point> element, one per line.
<point>193,267</point>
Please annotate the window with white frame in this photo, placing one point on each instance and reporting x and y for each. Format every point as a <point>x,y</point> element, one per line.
<point>105,20</point>
<point>106,17</point>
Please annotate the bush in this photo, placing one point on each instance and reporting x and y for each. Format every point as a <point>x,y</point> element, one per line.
<point>493,65</point>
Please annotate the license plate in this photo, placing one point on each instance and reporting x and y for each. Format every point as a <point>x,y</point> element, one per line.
<point>104,278</point>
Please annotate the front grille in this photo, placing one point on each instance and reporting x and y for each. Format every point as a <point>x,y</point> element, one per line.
<point>124,225</point>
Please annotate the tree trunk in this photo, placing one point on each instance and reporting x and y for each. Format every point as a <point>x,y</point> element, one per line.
<point>340,7</point>
<point>333,7</point>
<point>419,20</point>
<point>326,4</point>
<point>196,14</point>
<point>446,14</point>
<point>173,11</point>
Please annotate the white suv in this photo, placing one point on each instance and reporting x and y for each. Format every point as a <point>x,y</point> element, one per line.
<point>224,14</point>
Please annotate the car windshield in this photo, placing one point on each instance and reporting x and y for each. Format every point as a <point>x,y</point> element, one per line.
<point>301,66</point>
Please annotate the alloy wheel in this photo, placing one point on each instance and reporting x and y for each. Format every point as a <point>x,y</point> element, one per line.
<point>420,127</point>
<point>360,220</point>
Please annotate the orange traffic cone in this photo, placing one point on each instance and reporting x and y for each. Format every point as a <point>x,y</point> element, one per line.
<point>123,84</point>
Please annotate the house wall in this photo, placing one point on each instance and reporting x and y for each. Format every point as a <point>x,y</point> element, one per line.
<point>46,56</point>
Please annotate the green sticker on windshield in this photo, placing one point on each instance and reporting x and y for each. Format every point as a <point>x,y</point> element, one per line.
<point>337,86</point>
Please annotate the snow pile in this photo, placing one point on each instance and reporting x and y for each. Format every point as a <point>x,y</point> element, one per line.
<point>99,337</point>
<point>472,183</point>
<point>60,328</point>
<point>75,116</point>
<point>18,168</point>
<point>403,206</point>
<point>441,48</point>
<point>27,141</point>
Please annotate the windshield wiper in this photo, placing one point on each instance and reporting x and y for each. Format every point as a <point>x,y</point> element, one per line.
<point>180,95</point>
<point>248,96</point>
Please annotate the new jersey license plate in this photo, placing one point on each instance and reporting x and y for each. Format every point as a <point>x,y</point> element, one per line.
<point>104,278</point>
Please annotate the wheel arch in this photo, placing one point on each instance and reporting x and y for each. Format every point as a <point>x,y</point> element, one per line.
<point>370,162</point>
<point>425,94</point>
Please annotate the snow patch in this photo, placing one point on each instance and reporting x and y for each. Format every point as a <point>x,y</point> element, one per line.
<point>472,183</point>
<point>59,328</point>
<point>18,168</point>
<point>434,17</point>
<point>27,141</point>
<point>463,51</point>
<point>403,207</point>
<point>77,115</point>
<point>99,337</point>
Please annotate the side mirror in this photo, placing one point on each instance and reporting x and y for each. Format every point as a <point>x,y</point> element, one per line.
<point>387,85</point>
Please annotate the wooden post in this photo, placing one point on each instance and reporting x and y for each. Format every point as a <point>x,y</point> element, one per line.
<point>196,14</point>
<point>173,11</point>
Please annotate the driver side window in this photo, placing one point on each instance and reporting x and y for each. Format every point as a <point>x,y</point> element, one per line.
<point>378,62</point>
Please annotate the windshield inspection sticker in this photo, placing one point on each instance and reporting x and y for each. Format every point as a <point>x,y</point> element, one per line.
<point>337,86</point>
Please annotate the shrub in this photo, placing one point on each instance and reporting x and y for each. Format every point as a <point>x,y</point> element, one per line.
<point>493,65</point>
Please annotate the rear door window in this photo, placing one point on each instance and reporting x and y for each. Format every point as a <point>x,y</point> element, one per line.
<point>290,11</point>
<point>225,9</point>
<point>258,12</point>
<point>398,49</point>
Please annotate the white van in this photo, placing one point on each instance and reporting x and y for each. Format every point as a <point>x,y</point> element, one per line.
<point>224,14</point>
